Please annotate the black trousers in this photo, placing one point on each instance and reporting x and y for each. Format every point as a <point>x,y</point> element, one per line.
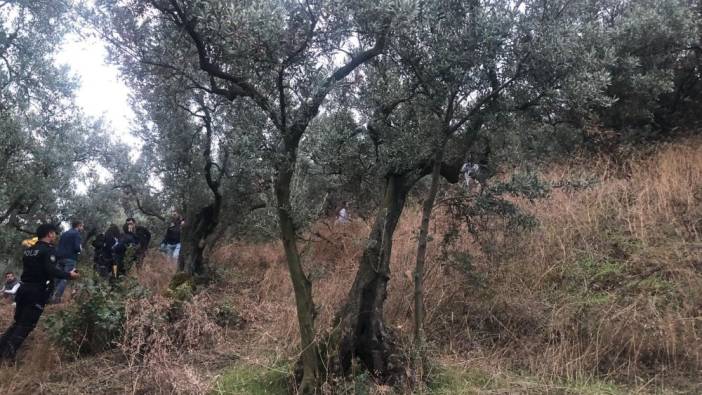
<point>30,302</point>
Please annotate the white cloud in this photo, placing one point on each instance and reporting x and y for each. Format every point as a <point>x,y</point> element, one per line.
<point>101,95</point>
<point>101,92</point>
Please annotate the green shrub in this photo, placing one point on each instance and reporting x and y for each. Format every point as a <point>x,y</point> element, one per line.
<point>226,316</point>
<point>95,322</point>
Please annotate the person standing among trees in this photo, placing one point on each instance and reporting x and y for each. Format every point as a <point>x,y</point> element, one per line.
<point>127,242</point>
<point>67,252</point>
<point>342,216</point>
<point>171,241</point>
<point>105,251</point>
<point>470,171</point>
<point>143,237</point>
<point>38,274</point>
<point>10,287</point>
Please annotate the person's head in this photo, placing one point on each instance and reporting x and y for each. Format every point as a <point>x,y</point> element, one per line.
<point>9,277</point>
<point>47,233</point>
<point>129,225</point>
<point>112,231</point>
<point>76,224</point>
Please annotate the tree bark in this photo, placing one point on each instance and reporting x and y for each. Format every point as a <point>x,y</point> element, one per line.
<point>195,234</point>
<point>199,227</point>
<point>427,207</point>
<point>301,284</point>
<point>361,322</point>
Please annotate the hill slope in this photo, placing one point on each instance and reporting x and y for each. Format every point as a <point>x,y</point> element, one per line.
<point>604,296</point>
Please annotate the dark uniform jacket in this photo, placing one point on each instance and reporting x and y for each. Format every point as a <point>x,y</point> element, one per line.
<point>106,248</point>
<point>39,271</point>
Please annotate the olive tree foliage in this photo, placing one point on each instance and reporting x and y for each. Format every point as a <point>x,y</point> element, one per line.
<point>98,206</point>
<point>491,60</point>
<point>286,77</point>
<point>437,99</point>
<point>283,58</point>
<point>43,136</point>
<point>656,44</point>
<point>198,161</point>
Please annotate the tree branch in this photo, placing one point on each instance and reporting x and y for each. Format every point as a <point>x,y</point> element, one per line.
<point>238,86</point>
<point>141,208</point>
<point>209,163</point>
<point>479,104</point>
<point>13,206</point>
<point>310,109</point>
<point>19,227</point>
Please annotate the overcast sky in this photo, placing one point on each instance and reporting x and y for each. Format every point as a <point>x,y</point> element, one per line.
<point>102,93</point>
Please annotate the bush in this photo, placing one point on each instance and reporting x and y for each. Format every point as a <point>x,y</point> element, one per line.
<point>226,316</point>
<point>162,336</point>
<point>95,322</point>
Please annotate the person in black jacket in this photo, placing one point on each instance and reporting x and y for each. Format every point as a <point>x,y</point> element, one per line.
<point>126,251</point>
<point>171,241</point>
<point>105,256</point>
<point>39,272</point>
<point>143,236</point>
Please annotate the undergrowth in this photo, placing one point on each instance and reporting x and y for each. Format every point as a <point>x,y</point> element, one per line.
<point>600,295</point>
<point>94,322</point>
<point>246,379</point>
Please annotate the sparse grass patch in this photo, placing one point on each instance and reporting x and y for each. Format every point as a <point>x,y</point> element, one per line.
<point>457,381</point>
<point>246,379</point>
<point>454,380</point>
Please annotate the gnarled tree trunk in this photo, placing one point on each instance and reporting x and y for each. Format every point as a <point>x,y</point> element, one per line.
<point>200,226</point>
<point>363,333</point>
<point>194,240</point>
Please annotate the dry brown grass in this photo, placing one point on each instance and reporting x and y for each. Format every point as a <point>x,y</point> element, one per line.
<point>164,349</point>
<point>609,285</point>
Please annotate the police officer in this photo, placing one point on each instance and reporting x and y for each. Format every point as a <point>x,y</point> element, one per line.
<point>38,274</point>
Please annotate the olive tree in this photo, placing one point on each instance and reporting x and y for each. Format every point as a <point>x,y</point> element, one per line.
<point>460,67</point>
<point>284,58</point>
<point>44,138</point>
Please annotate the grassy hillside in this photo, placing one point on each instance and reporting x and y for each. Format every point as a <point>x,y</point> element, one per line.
<point>603,297</point>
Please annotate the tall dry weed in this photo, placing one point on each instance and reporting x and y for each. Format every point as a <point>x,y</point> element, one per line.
<point>161,337</point>
<point>610,282</point>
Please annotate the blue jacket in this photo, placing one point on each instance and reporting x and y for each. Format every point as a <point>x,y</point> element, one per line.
<point>69,245</point>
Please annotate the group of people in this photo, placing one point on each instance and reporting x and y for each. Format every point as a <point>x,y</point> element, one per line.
<point>116,251</point>
<point>48,266</point>
<point>65,258</point>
